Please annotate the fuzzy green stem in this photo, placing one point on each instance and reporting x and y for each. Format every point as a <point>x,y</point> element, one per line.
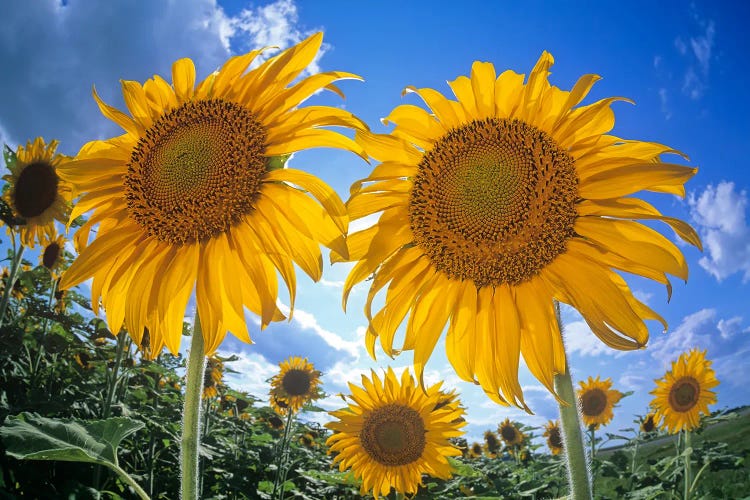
<point>579,475</point>
<point>191,417</point>
<point>575,451</point>
<point>15,265</point>
<point>688,469</point>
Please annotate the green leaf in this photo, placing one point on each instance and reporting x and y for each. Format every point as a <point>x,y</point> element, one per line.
<point>32,437</point>
<point>462,469</point>
<point>277,162</point>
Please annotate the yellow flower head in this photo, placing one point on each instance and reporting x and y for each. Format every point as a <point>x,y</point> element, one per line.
<point>684,393</point>
<point>650,422</point>
<point>213,378</point>
<point>391,433</point>
<point>492,446</point>
<point>297,383</point>
<point>554,437</point>
<point>476,450</point>
<point>53,254</point>
<point>509,433</point>
<point>191,197</point>
<point>37,193</point>
<point>497,204</point>
<point>597,399</point>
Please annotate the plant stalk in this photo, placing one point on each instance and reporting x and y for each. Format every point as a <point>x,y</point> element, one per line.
<point>282,455</point>
<point>15,265</point>
<point>579,477</point>
<point>191,417</point>
<point>688,469</point>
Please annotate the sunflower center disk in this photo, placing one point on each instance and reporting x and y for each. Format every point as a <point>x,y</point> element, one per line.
<point>555,439</point>
<point>196,172</point>
<point>508,433</point>
<point>684,394</point>
<point>51,255</point>
<point>393,435</point>
<point>593,402</point>
<point>35,190</point>
<point>296,383</point>
<point>494,202</point>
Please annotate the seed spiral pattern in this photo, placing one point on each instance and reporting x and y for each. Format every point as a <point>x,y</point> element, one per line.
<point>296,382</point>
<point>196,171</point>
<point>393,435</point>
<point>494,202</point>
<point>683,395</point>
<point>593,402</point>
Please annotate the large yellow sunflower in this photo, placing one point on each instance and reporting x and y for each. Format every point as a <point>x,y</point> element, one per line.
<point>189,197</point>
<point>597,399</point>
<point>554,437</point>
<point>36,193</point>
<point>499,203</point>
<point>684,393</point>
<point>509,433</point>
<point>392,433</point>
<point>297,383</point>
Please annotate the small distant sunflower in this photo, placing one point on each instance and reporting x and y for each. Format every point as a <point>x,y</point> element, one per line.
<point>192,197</point>
<point>650,422</point>
<point>597,399</point>
<point>297,383</point>
<point>213,377</point>
<point>61,301</point>
<point>53,253</point>
<point>274,422</point>
<point>554,437</point>
<point>509,433</point>
<point>391,433</point>
<point>476,450</point>
<point>83,360</point>
<point>684,393</point>
<point>37,194</point>
<point>492,445</point>
<point>308,440</point>
<point>494,206</point>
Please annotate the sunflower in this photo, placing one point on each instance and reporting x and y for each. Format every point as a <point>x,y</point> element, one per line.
<point>192,197</point>
<point>274,422</point>
<point>53,254</point>
<point>509,433</point>
<point>296,384</point>
<point>213,378</point>
<point>391,433</point>
<point>476,450</point>
<point>685,392</point>
<point>37,194</point>
<point>554,437</point>
<point>491,444</point>
<point>498,204</point>
<point>650,422</point>
<point>597,398</point>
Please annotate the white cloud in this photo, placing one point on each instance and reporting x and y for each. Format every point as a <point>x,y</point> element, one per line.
<point>663,98</point>
<point>52,53</point>
<point>680,45</point>
<point>253,370</point>
<point>720,213</point>
<point>695,330</point>
<point>631,382</point>
<point>579,338</point>
<point>728,328</point>
<point>307,321</point>
<point>695,81</point>
<point>702,46</point>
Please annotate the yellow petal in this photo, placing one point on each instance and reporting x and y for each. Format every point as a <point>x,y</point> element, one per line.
<point>183,79</point>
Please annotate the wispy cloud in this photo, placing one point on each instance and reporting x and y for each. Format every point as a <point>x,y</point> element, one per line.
<point>56,54</point>
<point>696,77</point>
<point>720,214</point>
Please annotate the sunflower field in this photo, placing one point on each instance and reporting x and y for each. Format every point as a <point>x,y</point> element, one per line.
<point>62,370</point>
<point>487,212</point>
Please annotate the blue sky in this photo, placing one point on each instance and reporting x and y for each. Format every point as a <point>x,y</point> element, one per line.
<point>683,64</point>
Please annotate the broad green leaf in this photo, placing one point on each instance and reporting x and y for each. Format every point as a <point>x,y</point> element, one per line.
<point>32,437</point>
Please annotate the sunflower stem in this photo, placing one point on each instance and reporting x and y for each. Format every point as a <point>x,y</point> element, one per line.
<point>15,265</point>
<point>579,473</point>
<point>688,469</point>
<point>579,478</point>
<point>191,415</point>
<point>282,455</point>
